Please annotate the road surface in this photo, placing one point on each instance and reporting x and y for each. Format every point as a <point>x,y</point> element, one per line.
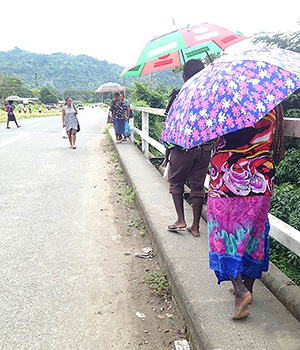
<point>64,275</point>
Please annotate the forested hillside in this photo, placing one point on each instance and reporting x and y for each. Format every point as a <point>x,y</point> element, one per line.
<point>64,72</point>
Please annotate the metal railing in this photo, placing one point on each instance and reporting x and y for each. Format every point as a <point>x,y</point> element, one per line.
<point>281,231</point>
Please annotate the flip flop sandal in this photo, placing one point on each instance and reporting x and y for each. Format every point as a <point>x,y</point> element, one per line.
<point>174,228</point>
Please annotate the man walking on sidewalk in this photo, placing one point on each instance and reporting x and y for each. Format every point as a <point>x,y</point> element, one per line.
<point>189,165</point>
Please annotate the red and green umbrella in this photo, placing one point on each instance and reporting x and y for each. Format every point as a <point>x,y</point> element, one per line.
<point>175,48</point>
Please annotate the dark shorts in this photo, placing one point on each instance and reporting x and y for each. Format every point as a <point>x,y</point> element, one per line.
<point>192,165</point>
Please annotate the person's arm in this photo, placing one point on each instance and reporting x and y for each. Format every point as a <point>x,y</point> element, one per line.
<point>166,160</point>
<point>128,112</point>
<point>63,118</point>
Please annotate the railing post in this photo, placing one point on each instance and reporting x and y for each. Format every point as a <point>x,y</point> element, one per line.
<point>131,123</point>
<point>145,130</point>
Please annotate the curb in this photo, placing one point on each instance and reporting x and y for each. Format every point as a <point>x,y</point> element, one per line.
<point>285,290</point>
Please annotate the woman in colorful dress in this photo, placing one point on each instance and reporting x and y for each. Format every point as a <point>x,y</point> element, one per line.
<point>241,185</point>
<point>119,110</point>
<point>10,114</point>
<point>69,121</point>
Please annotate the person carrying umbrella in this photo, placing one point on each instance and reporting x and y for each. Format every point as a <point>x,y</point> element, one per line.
<point>187,164</point>
<point>11,115</point>
<point>241,185</point>
<point>237,99</point>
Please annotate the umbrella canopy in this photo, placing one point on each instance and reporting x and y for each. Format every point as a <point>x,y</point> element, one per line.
<point>231,94</point>
<point>13,98</point>
<point>110,87</point>
<point>175,48</point>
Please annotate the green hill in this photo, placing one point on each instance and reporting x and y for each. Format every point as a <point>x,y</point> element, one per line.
<point>63,71</point>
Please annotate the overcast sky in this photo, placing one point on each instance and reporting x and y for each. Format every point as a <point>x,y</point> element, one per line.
<point>117,30</point>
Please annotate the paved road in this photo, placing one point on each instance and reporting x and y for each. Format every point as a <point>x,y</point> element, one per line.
<point>52,275</point>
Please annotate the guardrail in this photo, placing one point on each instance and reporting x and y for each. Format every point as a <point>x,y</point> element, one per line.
<point>281,231</point>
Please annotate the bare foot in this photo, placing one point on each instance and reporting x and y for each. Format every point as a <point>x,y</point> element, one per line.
<point>194,232</point>
<point>232,291</point>
<point>241,306</point>
<point>177,226</point>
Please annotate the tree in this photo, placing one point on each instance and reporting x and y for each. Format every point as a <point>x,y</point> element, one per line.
<point>284,40</point>
<point>48,95</point>
<point>10,85</point>
<point>142,92</point>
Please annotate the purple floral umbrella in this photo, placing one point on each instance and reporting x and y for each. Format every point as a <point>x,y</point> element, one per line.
<point>232,93</point>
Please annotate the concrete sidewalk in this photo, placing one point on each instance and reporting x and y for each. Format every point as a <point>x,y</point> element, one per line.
<point>207,307</point>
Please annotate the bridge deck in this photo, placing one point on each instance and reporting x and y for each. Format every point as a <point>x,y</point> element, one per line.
<point>206,306</point>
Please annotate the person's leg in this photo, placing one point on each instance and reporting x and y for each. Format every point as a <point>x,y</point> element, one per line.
<point>178,174</point>
<point>74,139</point>
<point>70,138</point>
<point>242,298</point>
<point>249,282</point>
<point>197,175</point>
<point>7,125</point>
<point>178,203</point>
<point>197,210</point>
<point>17,123</point>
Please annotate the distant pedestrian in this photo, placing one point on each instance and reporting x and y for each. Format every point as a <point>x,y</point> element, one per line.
<point>40,109</point>
<point>69,121</point>
<point>24,109</point>
<point>119,109</point>
<point>10,114</point>
<point>20,108</point>
<point>29,108</point>
<point>127,103</point>
<point>127,114</point>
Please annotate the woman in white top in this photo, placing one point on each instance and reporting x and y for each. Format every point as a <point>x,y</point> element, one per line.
<point>69,121</point>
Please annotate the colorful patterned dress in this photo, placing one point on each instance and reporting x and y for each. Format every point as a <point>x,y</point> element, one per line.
<point>241,185</point>
<point>118,111</point>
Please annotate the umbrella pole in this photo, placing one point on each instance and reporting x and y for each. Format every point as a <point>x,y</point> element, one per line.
<point>183,59</point>
<point>208,56</point>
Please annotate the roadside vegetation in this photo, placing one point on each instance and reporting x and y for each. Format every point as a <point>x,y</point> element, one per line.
<point>34,114</point>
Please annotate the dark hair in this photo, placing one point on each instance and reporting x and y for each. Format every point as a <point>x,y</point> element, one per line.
<point>117,94</point>
<point>10,102</point>
<point>67,99</point>
<point>278,139</point>
<point>122,93</point>
<point>192,67</point>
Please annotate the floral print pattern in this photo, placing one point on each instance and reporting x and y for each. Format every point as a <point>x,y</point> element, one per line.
<point>240,189</point>
<point>241,164</point>
<point>232,93</point>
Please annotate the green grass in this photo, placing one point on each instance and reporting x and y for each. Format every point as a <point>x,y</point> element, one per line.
<point>158,282</point>
<point>113,157</point>
<point>128,195</point>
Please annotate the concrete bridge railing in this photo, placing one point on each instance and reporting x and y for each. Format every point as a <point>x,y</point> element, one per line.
<point>281,231</point>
